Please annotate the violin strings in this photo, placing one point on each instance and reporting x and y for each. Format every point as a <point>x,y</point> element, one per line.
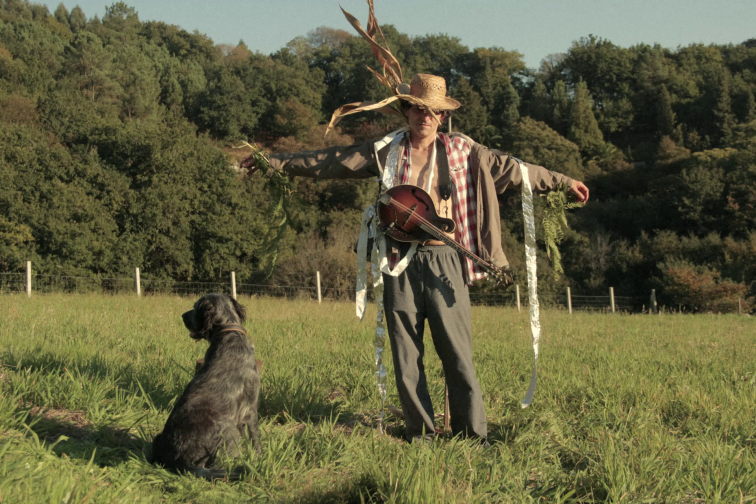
<point>422,220</point>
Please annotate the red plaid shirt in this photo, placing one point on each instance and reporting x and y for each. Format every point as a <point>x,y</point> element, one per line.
<point>464,198</point>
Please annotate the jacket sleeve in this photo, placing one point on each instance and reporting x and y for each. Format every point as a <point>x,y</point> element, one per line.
<point>506,173</point>
<point>355,161</point>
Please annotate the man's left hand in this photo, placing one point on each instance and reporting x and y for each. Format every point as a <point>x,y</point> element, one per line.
<point>580,190</point>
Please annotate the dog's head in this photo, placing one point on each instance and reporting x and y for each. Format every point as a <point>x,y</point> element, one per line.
<point>212,310</point>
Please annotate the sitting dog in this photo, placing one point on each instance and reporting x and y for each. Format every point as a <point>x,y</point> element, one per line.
<point>219,405</point>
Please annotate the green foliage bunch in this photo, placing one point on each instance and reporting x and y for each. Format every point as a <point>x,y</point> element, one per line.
<point>281,190</point>
<point>555,224</point>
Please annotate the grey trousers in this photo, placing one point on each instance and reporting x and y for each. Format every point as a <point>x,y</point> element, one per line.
<point>433,288</point>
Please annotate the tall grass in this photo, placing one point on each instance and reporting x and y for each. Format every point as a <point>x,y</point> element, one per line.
<point>629,408</point>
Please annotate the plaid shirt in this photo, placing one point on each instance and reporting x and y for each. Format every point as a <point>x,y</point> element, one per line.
<point>464,200</point>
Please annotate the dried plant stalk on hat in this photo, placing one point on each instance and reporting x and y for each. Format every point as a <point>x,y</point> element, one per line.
<point>391,77</point>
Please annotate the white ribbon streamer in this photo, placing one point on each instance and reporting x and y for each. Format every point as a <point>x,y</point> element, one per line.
<point>528,213</point>
<point>379,261</point>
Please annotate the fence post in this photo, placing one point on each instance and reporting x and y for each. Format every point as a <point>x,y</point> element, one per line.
<point>320,299</point>
<point>233,284</point>
<point>654,307</point>
<point>611,297</point>
<point>569,300</point>
<point>740,307</point>
<point>517,292</point>
<point>137,283</point>
<point>28,278</point>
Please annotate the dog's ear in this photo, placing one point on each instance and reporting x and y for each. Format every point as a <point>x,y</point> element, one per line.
<point>240,311</point>
<point>207,313</point>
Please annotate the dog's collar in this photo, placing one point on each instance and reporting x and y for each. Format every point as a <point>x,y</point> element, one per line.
<point>220,329</point>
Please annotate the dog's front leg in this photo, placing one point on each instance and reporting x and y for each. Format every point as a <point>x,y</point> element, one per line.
<point>250,430</point>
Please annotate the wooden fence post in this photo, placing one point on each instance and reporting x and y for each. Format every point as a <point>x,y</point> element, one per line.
<point>569,301</point>
<point>320,299</point>
<point>517,292</point>
<point>28,278</point>
<point>611,298</point>
<point>654,307</point>
<point>233,284</point>
<point>137,283</point>
<point>740,306</point>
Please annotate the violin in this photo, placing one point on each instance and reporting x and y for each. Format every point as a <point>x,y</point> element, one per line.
<point>406,213</point>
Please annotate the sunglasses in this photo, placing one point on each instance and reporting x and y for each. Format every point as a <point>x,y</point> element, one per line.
<point>420,108</point>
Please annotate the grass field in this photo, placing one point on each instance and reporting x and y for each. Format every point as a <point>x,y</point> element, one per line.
<point>629,408</point>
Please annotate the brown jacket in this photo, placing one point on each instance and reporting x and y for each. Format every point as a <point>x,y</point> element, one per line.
<point>493,172</point>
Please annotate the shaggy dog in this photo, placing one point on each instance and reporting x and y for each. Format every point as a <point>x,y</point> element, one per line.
<point>219,405</point>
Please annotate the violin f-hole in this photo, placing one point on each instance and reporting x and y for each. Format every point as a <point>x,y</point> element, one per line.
<point>418,198</point>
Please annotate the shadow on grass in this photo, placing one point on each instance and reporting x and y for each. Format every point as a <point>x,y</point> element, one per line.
<point>361,489</point>
<point>70,434</point>
<point>289,393</point>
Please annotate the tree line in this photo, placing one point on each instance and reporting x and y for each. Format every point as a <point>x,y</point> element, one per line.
<point>117,136</point>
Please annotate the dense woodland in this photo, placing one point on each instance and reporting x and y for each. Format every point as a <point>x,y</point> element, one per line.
<point>117,136</point>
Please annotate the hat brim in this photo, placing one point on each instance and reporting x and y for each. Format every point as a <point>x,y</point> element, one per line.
<point>444,104</point>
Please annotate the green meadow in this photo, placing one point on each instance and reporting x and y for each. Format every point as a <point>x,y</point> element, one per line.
<point>629,408</point>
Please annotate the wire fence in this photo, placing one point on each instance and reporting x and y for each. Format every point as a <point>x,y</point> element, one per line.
<point>16,283</point>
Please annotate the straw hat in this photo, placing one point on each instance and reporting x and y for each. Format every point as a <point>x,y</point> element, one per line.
<point>431,90</point>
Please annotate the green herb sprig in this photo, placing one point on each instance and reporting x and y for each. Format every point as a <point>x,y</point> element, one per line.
<point>281,190</point>
<point>555,224</point>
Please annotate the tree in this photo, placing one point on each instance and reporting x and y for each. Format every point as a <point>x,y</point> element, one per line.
<point>607,70</point>
<point>700,288</point>
<point>64,200</point>
<point>560,105</point>
<point>18,8</point>
<point>549,70</point>
<point>226,108</point>
<point>539,144</point>
<point>188,47</point>
<point>750,108</point>
<point>723,112</point>
<point>14,244</point>
<point>436,54</point>
<point>490,71</point>
<point>700,199</point>
<point>300,47</point>
<point>472,117</point>
<point>137,76</point>
<point>538,107</point>
<point>325,37</point>
<point>121,23</point>
<point>665,116</point>
<point>77,20</point>
<point>744,104</point>
<point>510,103</point>
<point>61,15</point>
<point>286,84</point>
<point>584,129</point>
<point>89,64</point>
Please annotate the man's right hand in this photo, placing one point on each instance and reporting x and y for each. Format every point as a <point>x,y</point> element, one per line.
<point>250,164</point>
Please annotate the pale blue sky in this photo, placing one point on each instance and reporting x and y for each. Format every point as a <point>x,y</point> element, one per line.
<point>535,28</point>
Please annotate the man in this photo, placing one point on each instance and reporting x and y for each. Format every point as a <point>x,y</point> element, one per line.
<point>430,281</point>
